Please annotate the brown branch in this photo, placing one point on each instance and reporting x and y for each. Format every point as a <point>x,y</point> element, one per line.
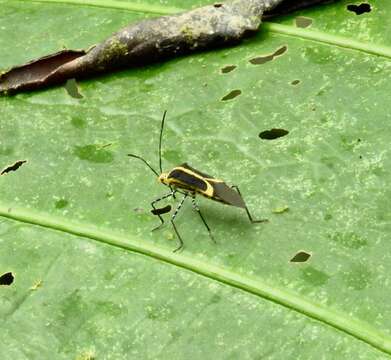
<point>149,41</point>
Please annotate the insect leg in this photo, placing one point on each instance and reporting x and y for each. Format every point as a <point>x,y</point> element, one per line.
<point>157,213</point>
<point>246,208</point>
<point>173,224</point>
<point>196,208</point>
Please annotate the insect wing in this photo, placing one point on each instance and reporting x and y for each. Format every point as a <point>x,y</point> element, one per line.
<point>187,166</point>
<point>222,192</point>
<point>182,177</point>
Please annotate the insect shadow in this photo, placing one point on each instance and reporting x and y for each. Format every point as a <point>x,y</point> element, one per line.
<point>189,182</point>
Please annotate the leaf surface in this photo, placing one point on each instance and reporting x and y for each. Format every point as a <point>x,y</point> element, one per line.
<point>91,279</point>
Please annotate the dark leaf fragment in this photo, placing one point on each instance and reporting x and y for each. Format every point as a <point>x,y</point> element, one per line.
<point>15,166</point>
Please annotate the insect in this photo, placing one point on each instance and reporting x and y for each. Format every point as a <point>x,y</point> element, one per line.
<point>190,182</point>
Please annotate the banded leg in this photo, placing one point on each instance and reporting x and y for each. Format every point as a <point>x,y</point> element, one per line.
<point>196,208</point>
<point>246,208</point>
<point>172,193</point>
<point>173,224</point>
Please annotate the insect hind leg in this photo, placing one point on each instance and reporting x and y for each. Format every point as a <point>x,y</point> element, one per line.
<point>247,210</point>
<point>196,208</point>
<point>173,224</point>
<point>172,193</point>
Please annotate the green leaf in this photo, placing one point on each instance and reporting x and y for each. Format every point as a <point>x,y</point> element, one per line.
<point>90,280</point>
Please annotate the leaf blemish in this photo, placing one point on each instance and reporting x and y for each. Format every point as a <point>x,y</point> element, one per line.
<point>295,82</point>
<point>232,95</point>
<point>273,134</point>
<point>227,69</point>
<point>139,210</point>
<point>360,9</point>
<point>301,257</point>
<point>61,204</point>
<point>93,153</point>
<point>15,166</point>
<point>266,58</point>
<point>281,210</point>
<point>7,279</point>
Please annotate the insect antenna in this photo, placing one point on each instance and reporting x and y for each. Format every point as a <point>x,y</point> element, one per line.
<point>160,148</point>
<point>160,141</point>
<point>145,162</point>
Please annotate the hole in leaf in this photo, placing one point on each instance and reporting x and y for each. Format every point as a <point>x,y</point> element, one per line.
<point>303,22</point>
<point>266,58</point>
<point>72,89</point>
<point>232,95</point>
<point>360,9</point>
<point>300,257</point>
<point>280,51</point>
<point>261,60</point>
<point>160,211</point>
<point>7,279</point>
<point>273,134</point>
<point>227,69</point>
<point>15,166</point>
<point>295,82</point>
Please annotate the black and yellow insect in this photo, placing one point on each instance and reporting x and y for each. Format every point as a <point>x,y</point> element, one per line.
<point>189,182</point>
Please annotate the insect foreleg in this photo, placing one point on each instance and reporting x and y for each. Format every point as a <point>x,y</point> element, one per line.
<point>246,208</point>
<point>196,208</point>
<point>173,224</point>
<point>172,193</point>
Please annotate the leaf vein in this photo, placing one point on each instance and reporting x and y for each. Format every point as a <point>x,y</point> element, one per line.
<point>339,320</point>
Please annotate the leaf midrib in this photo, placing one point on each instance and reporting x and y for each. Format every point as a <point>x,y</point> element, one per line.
<point>313,35</point>
<point>336,319</point>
